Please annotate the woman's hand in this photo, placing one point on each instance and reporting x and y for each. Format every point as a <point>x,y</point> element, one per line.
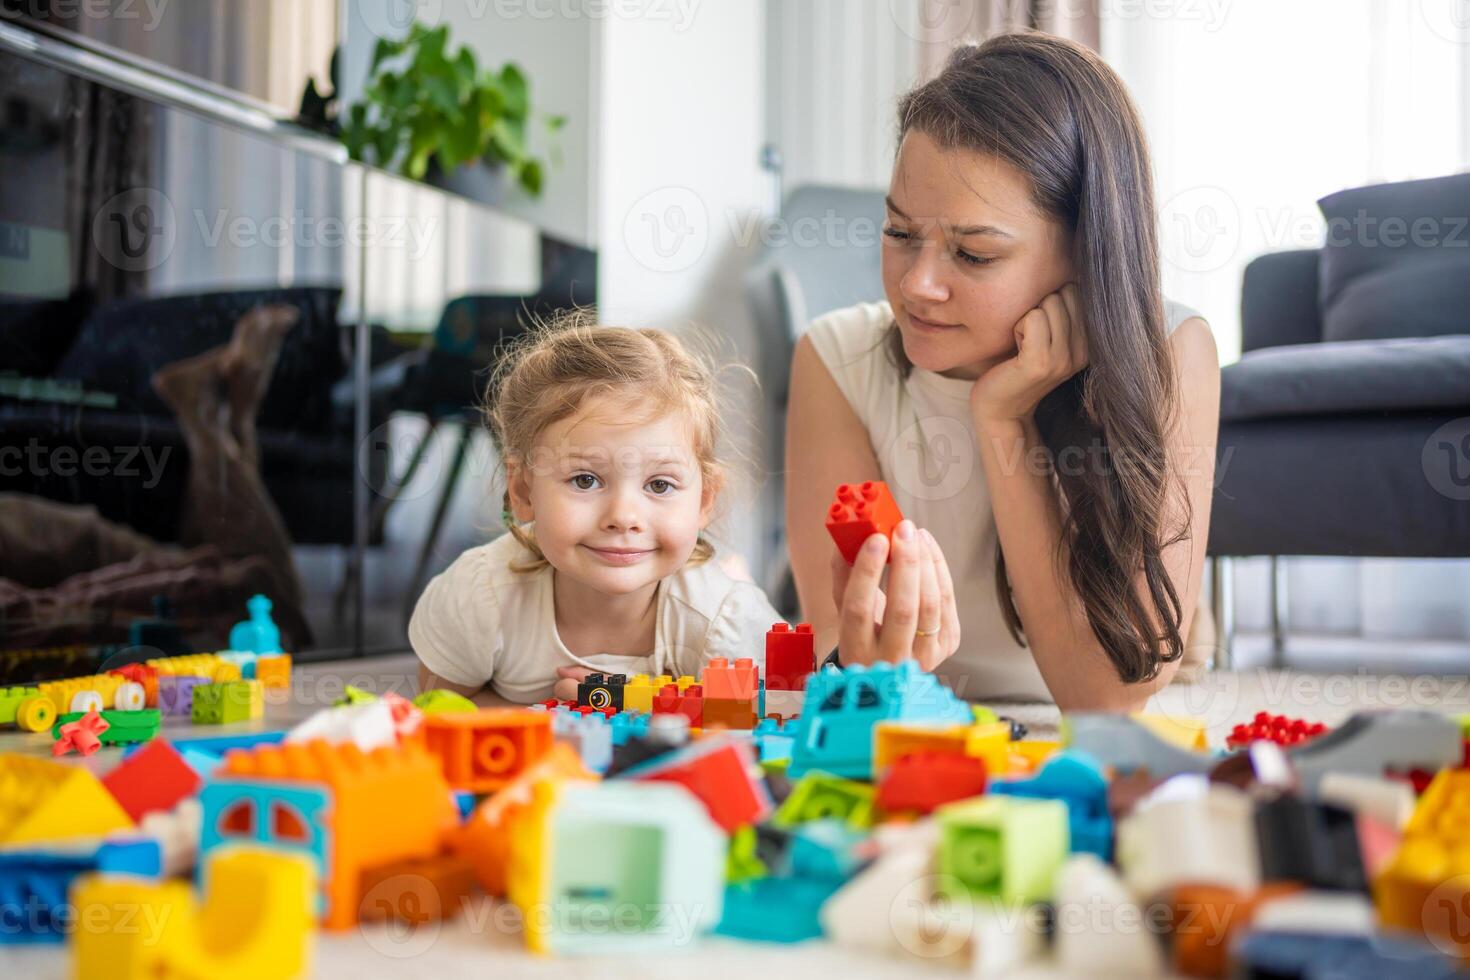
<point>915,618</point>
<point>568,679</point>
<point>1051,346</point>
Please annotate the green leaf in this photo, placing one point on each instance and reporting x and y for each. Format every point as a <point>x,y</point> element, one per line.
<point>531,177</point>
<point>554,123</point>
<point>514,89</point>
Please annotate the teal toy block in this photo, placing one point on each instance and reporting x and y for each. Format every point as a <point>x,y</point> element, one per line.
<point>842,707</point>
<point>1077,780</point>
<point>1008,848</point>
<point>259,633</point>
<point>821,796</point>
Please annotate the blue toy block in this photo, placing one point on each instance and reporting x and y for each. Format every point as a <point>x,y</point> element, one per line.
<point>590,734</point>
<point>464,802</point>
<point>218,745</point>
<point>825,849</point>
<point>1269,953</point>
<point>1077,780</point>
<point>628,724</point>
<point>286,816</point>
<point>776,910</point>
<point>842,707</point>
<point>258,634</point>
<point>773,739</point>
<point>34,883</point>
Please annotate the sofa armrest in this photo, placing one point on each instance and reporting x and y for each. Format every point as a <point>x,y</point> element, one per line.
<point>1279,303</point>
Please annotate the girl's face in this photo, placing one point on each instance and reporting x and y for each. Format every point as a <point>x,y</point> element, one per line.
<point>965,256</point>
<point>618,501</point>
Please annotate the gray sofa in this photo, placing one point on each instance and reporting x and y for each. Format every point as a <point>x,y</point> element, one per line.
<point>1345,425</point>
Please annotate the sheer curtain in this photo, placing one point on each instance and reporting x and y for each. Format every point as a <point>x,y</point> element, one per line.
<point>1254,111</point>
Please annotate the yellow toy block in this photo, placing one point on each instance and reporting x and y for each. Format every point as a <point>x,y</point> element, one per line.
<point>685,681</point>
<point>42,800</point>
<point>255,921</point>
<point>638,694</point>
<point>1424,884</point>
<point>60,693</point>
<point>1027,756</point>
<point>207,665</point>
<point>1444,809</point>
<point>1187,733</point>
<point>991,743</point>
<point>894,739</point>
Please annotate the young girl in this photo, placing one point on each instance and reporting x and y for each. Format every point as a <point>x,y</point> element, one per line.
<point>608,436</point>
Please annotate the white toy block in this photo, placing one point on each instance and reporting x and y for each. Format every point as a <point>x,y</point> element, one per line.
<point>1003,938</point>
<point>1177,837</point>
<point>1100,930</point>
<point>1317,913</point>
<point>369,726</point>
<point>784,703</point>
<point>1389,801</point>
<point>177,833</point>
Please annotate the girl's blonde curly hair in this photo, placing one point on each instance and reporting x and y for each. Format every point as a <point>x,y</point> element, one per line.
<point>551,371</point>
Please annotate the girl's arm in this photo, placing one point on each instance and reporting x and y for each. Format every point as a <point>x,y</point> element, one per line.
<point>826,444</point>
<point>1028,518</point>
<point>481,695</point>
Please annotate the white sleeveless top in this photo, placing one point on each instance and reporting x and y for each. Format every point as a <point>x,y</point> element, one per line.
<point>922,434</point>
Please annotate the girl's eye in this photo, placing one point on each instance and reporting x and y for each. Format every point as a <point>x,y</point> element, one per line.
<point>584,481</point>
<point>972,259</point>
<point>661,487</point>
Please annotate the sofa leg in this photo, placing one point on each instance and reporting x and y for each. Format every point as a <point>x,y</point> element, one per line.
<point>1222,604</point>
<point>1278,611</point>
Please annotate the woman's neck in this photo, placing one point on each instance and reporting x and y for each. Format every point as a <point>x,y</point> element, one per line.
<point>590,622</point>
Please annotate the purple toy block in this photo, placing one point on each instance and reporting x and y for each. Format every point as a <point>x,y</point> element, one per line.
<point>176,693</point>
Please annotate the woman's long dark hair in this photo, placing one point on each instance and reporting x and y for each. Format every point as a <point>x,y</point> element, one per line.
<point>1054,111</point>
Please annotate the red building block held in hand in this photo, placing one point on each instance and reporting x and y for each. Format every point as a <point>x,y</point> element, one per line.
<point>859,511</point>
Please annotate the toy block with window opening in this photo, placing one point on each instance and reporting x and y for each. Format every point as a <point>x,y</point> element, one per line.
<point>346,810</point>
<point>835,732</point>
<point>858,511</point>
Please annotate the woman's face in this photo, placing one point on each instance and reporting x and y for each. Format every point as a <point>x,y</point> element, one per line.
<point>965,256</point>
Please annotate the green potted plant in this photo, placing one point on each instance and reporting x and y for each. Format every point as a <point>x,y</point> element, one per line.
<point>425,112</point>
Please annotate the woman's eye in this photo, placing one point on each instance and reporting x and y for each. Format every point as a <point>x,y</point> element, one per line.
<point>973,259</point>
<point>584,481</point>
<point>895,234</point>
<point>661,487</point>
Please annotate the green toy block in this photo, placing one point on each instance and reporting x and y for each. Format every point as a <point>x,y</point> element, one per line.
<point>821,795</point>
<point>442,702</point>
<point>124,727</point>
<point>741,861</point>
<point>226,702</point>
<point>354,695</point>
<point>1002,847</point>
<point>983,715</point>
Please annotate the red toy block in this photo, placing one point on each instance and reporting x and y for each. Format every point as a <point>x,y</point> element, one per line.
<point>860,511</point>
<point>923,781</point>
<point>790,657</point>
<point>481,751</point>
<point>735,682</point>
<point>155,777</point>
<point>141,674</point>
<point>690,703</point>
<point>1280,729</point>
<point>723,774</point>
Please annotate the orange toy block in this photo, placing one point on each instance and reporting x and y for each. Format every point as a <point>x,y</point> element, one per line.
<point>860,511</point>
<point>730,713</point>
<point>387,805</point>
<point>417,891</point>
<point>485,838</point>
<point>481,751</point>
<point>735,682</point>
<point>274,671</point>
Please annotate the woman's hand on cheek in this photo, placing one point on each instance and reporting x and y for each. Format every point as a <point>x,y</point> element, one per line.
<point>1051,346</point>
<point>915,618</point>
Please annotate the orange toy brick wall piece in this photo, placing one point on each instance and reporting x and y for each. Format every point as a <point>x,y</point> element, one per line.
<point>390,804</point>
<point>481,751</point>
<point>859,511</point>
<point>790,656</point>
<point>485,838</point>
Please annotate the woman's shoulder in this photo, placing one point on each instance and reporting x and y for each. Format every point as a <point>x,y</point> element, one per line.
<point>851,343</point>
<point>1175,313</point>
<point>852,330</point>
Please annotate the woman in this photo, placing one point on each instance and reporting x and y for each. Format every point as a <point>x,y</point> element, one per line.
<point>1026,392</point>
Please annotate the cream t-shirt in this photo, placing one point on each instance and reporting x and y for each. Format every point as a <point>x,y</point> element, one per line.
<point>921,431</point>
<point>478,621</point>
